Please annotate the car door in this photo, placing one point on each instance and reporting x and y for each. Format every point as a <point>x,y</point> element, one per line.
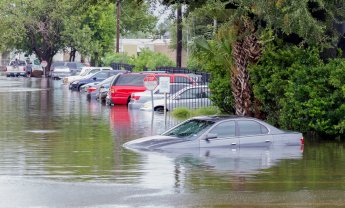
<point>253,134</point>
<point>221,135</point>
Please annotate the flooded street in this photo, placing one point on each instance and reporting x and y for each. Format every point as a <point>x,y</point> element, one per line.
<point>59,150</point>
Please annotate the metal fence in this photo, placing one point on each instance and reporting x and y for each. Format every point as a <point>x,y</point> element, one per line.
<point>122,66</point>
<point>189,90</point>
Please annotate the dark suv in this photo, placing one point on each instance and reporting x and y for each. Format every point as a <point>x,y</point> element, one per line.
<point>122,87</point>
<point>97,77</point>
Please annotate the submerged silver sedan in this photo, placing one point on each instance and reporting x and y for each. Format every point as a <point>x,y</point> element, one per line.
<point>218,131</point>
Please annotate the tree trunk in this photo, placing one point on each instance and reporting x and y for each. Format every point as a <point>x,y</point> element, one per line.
<point>244,52</point>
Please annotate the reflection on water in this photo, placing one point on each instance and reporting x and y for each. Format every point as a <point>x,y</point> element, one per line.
<point>49,132</point>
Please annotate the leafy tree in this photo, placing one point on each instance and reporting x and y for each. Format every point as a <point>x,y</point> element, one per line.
<point>298,91</point>
<point>117,58</point>
<point>150,60</point>
<point>46,27</point>
<point>300,22</point>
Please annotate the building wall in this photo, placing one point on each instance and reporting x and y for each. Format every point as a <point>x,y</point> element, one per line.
<point>134,46</point>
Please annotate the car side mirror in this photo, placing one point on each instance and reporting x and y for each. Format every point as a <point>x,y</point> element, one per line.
<point>211,136</point>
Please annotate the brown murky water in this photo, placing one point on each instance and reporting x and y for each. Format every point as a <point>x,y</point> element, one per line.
<point>59,150</point>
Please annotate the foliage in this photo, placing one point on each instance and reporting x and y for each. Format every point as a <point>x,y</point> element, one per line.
<point>46,27</point>
<point>214,56</point>
<point>151,60</point>
<point>184,113</point>
<point>136,17</point>
<point>93,32</point>
<point>117,58</point>
<point>298,91</point>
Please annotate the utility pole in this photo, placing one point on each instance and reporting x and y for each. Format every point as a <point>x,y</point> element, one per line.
<point>179,36</point>
<point>118,9</point>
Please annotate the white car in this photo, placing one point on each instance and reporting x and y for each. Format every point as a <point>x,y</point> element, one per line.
<point>138,99</point>
<point>16,68</point>
<point>84,71</point>
<point>189,97</point>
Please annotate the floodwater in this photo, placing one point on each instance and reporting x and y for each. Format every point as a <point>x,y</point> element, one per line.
<point>59,150</point>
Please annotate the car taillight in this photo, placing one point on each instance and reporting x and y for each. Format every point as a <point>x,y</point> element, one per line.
<point>91,89</point>
<point>135,97</point>
<point>302,140</point>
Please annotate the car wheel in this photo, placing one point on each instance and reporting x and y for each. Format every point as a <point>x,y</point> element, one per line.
<point>159,109</point>
<point>108,102</point>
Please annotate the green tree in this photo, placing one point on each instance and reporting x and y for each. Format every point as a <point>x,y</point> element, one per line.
<point>300,22</point>
<point>150,60</point>
<point>46,27</point>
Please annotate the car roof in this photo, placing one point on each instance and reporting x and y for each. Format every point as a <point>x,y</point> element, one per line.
<point>217,118</point>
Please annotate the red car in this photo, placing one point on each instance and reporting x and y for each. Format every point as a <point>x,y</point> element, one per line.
<point>124,85</point>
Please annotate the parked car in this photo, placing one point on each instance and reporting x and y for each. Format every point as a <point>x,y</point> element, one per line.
<point>84,71</point>
<point>85,87</point>
<point>60,72</point>
<point>95,91</point>
<point>124,85</point>
<point>60,69</point>
<point>219,131</point>
<point>16,68</point>
<point>190,97</point>
<point>97,77</point>
<point>138,99</point>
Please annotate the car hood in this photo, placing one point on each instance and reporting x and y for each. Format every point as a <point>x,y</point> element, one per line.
<point>153,142</point>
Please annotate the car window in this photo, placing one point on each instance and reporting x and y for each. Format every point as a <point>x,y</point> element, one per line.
<point>180,79</point>
<point>251,128</point>
<point>92,71</point>
<point>130,80</point>
<point>101,75</point>
<point>189,129</point>
<point>80,65</point>
<point>225,129</point>
<point>37,62</point>
<point>193,93</point>
<point>72,65</point>
<point>176,88</point>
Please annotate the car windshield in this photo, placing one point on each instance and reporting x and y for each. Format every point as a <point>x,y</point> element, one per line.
<point>85,72</point>
<point>189,129</point>
<point>88,76</point>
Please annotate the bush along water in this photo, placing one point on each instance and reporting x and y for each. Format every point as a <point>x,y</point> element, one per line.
<point>299,91</point>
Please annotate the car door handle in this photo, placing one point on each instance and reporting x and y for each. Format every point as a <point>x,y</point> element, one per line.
<point>268,141</point>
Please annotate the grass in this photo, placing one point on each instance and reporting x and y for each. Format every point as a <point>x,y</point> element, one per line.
<point>184,113</point>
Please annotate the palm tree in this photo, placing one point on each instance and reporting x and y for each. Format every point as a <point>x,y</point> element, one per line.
<point>245,50</point>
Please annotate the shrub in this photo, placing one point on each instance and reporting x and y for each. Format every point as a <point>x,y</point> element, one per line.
<point>213,57</point>
<point>117,58</point>
<point>300,92</point>
<point>151,60</point>
<point>181,113</point>
<point>184,113</point>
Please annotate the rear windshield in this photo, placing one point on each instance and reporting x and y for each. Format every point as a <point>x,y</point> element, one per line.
<point>130,80</point>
